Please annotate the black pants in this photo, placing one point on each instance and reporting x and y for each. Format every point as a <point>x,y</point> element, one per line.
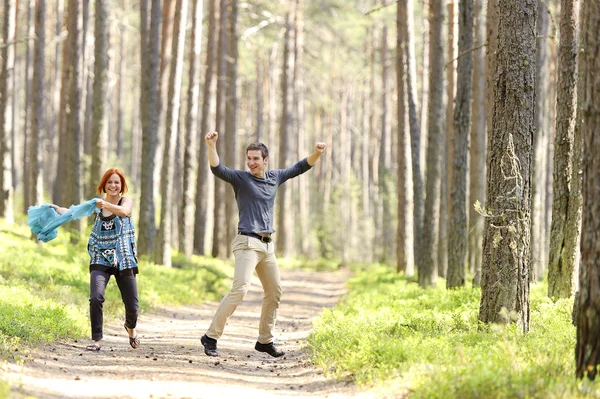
<point>127,286</point>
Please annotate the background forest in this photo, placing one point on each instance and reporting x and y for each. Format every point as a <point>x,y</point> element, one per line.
<point>455,131</point>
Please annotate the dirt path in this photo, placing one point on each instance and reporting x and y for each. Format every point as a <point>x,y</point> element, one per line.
<point>171,362</point>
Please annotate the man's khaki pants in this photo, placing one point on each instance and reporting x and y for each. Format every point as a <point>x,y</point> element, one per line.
<point>251,253</point>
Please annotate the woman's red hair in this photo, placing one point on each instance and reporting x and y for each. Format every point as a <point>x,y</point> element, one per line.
<point>100,189</point>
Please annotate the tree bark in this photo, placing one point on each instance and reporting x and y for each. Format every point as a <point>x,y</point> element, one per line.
<point>566,206</point>
<point>220,248</point>
<point>459,191</point>
<point>150,29</point>
<point>539,141</point>
<point>428,269</point>
<point>37,106</point>
<point>284,225</point>
<point>587,350</point>
<point>190,157</point>
<point>28,185</point>
<point>7,55</point>
<point>165,236</point>
<point>202,178</point>
<point>99,127</point>
<point>478,149</point>
<point>505,270</point>
<point>71,178</point>
<point>231,104</point>
<point>405,230</point>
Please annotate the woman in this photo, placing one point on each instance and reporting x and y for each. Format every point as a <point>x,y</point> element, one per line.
<point>112,253</point>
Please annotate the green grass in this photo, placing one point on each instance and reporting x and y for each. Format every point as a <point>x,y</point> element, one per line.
<point>44,288</point>
<point>431,343</point>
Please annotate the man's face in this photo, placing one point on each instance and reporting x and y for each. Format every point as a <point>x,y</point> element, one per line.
<point>256,163</point>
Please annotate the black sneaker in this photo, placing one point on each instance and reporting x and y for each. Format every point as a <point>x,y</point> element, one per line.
<point>269,348</point>
<point>210,346</point>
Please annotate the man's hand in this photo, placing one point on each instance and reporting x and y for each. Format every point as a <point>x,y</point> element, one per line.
<point>211,138</point>
<point>320,147</point>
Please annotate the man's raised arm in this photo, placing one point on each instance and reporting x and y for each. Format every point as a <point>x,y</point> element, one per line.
<point>314,157</point>
<point>211,142</point>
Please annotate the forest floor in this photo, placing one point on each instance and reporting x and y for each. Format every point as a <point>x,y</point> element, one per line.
<point>171,362</point>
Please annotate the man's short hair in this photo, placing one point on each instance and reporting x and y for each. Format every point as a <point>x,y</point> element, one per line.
<point>256,146</point>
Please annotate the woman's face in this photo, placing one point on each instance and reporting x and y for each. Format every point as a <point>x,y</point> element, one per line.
<point>113,185</point>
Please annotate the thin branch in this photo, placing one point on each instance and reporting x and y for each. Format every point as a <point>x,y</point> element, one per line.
<point>380,7</point>
<point>465,53</point>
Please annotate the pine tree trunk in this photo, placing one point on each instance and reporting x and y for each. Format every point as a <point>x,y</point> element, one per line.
<point>71,180</point>
<point>428,269</point>
<point>405,231</point>
<point>302,221</point>
<point>165,236</point>
<point>54,110</point>
<point>284,225</point>
<point>587,350</point>
<point>220,247</point>
<point>541,127</point>
<point>459,190</point>
<point>448,140</point>
<point>37,105</point>
<point>505,269</point>
<point>478,149</point>
<point>150,29</point>
<point>417,139</point>
<point>231,105</point>
<point>121,93</point>
<point>7,61</point>
<point>190,157</point>
<point>202,178</point>
<point>28,185</point>
<point>565,231</point>
<point>385,241</point>
<point>99,131</point>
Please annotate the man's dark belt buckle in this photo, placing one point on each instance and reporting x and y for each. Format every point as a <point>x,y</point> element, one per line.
<point>264,239</point>
<point>261,238</point>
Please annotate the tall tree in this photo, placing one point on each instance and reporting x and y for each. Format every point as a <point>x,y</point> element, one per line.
<point>458,221</point>
<point>163,247</point>
<point>428,267</point>
<point>37,105</point>
<point>405,232</point>
<point>302,220</point>
<point>71,182</point>
<point>505,269</point>
<point>566,204</point>
<point>231,153</point>
<point>220,247</point>
<point>417,136</point>
<point>539,145</point>
<point>7,55</point>
<point>122,81</point>
<point>447,139</point>
<point>202,178</point>
<point>27,185</point>
<point>587,350</point>
<point>385,153</point>
<point>478,148</point>
<point>149,33</point>
<point>190,160</point>
<point>99,126</point>
<point>284,225</point>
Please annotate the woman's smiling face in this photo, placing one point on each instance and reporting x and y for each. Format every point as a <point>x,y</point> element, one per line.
<point>113,185</point>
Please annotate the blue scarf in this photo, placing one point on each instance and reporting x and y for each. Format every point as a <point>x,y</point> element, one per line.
<point>44,220</point>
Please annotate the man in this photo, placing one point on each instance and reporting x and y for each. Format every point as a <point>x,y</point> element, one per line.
<point>253,248</point>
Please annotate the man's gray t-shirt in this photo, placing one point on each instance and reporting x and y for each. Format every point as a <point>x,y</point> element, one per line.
<point>255,196</point>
